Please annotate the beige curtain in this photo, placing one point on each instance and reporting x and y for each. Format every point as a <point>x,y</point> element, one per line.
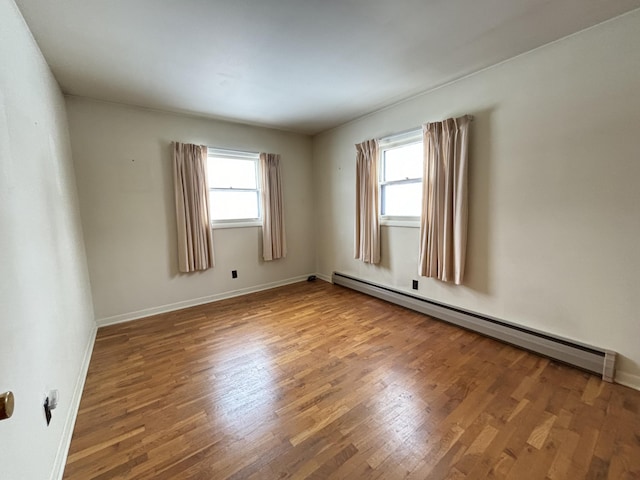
<point>367,234</point>
<point>443,224</point>
<point>274,242</point>
<point>195,240</point>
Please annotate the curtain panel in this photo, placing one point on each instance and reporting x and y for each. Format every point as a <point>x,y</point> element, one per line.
<point>443,223</point>
<point>367,231</point>
<point>274,243</point>
<point>195,240</point>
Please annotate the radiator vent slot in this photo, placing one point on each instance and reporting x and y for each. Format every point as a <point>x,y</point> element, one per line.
<point>586,357</point>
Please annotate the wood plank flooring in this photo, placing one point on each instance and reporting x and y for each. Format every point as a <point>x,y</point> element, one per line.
<point>316,381</point>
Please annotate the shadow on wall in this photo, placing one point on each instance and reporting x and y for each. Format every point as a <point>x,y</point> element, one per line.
<point>260,251</point>
<point>168,199</point>
<point>478,262</point>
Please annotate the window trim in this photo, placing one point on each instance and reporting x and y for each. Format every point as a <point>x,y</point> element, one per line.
<point>238,155</point>
<point>387,143</point>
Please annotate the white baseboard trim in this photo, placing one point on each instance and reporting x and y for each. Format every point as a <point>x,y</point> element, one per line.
<point>70,421</point>
<point>147,312</point>
<point>326,278</point>
<point>628,380</point>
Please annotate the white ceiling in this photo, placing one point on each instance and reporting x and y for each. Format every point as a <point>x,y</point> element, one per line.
<point>301,65</point>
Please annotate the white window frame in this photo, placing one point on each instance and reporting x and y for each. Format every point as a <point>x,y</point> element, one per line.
<point>388,143</point>
<point>240,155</point>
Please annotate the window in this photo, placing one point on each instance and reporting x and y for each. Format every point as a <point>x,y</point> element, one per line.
<point>233,187</point>
<point>401,159</point>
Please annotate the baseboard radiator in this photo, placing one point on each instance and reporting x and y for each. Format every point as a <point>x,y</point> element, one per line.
<point>586,357</point>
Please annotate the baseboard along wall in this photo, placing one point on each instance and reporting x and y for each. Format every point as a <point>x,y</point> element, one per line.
<point>147,312</point>
<point>587,357</point>
<point>72,414</point>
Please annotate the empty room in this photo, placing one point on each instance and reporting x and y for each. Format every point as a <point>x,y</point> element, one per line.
<point>319,239</point>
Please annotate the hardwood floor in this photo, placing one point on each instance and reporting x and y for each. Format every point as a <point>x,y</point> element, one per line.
<point>316,381</point>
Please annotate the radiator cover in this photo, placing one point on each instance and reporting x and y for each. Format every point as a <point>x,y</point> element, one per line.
<point>586,357</point>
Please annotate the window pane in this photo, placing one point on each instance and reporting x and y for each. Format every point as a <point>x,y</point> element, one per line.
<point>403,162</point>
<point>231,173</point>
<point>404,200</point>
<point>232,205</point>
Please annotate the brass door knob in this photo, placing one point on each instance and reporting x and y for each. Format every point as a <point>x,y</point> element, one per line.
<point>6,405</point>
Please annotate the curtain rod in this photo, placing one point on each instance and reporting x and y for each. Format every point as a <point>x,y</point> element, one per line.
<point>232,150</point>
<point>415,129</point>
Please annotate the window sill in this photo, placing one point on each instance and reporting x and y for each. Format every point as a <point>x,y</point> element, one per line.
<point>408,223</point>
<point>237,224</point>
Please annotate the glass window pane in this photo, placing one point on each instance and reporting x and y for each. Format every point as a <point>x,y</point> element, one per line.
<point>404,200</point>
<point>231,173</point>
<point>232,205</point>
<point>403,162</point>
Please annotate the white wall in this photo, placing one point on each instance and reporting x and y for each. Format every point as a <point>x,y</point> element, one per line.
<point>125,183</point>
<point>554,191</point>
<point>46,320</point>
